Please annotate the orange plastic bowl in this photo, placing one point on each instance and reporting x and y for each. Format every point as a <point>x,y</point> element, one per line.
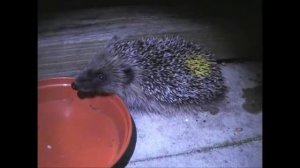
<point>74,132</point>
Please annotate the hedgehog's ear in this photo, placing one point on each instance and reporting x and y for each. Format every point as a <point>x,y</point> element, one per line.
<point>110,43</point>
<point>113,40</point>
<point>129,75</point>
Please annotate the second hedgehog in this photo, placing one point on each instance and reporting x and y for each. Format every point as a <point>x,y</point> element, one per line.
<point>160,75</point>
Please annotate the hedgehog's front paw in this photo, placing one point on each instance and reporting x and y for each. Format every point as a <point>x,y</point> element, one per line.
<point>211,109</point>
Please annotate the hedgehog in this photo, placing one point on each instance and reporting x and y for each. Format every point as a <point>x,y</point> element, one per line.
<point>154,74</point>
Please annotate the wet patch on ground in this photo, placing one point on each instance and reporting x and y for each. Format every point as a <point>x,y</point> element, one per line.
<point>253,99</point>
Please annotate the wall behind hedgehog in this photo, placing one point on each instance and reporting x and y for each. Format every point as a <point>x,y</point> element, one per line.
<point>71,32</point>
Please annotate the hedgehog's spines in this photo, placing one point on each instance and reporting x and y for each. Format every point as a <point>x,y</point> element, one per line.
<point>168,70</point>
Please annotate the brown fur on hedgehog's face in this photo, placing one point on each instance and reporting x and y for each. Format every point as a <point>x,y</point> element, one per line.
<point>104,74</point>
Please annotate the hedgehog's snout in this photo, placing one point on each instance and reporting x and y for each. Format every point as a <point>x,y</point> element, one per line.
<point>79,87</point>
<point>74,86</point>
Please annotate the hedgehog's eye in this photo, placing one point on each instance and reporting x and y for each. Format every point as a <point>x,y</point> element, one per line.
<point>100,75</point>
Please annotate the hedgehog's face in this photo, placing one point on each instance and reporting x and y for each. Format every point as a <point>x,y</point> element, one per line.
<point>103,76</point>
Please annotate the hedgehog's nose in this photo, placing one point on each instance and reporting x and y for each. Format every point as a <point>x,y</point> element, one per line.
<point>73,85</point>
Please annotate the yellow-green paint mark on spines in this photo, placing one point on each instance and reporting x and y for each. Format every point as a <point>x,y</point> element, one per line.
<point>198,65</point>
